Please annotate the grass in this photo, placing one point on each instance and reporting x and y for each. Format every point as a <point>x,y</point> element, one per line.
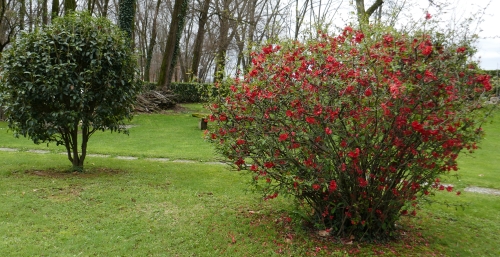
<point>151,208</point>
<point>173,135</point>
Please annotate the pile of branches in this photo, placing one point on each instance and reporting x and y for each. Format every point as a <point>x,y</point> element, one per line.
<point>155,101</point>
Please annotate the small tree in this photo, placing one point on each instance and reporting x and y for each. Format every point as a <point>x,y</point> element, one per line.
<point>74,76</point>
<point>356,126</point>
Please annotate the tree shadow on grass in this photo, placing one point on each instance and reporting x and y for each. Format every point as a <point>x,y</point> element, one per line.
<point>91,172</point>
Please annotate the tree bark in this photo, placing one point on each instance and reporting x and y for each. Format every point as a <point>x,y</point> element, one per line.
<point>45,15</point>
<point>22,14</point>
<point>198,43</point>
<point>152,43</point>
<point>69,6</point>
<point>55,9</point>
<point>363,14</point>
<point>172,44</point>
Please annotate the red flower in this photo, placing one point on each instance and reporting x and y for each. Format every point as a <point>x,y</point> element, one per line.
<point>426,50</point>
<point>267,49</point>
<point>283,137</point>
<point>347,30</point>
<point>240,162</point>
<point>458,192</point>
<point>269,165</point>
<point>316,187</point>
<point>394,89</point>
<point>368,92</point>
<point>461,49</point>
<point>333,186</point>
<point>240,141</point>
<point>253,73</point>
<point>310,120</point>
<point>328,131</point>
<point>359,37</point>
<point>428,16</point>
<point>425,47</point>
<point>362,182</point>
<point>387,112</point>
<point>354,154</point>
<point>449,188</point>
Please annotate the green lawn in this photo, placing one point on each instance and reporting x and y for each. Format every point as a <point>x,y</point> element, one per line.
<point>172,135</point>
<point>152,208</point>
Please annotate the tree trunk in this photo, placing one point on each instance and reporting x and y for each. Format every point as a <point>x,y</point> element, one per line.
<point>152,43</point>
<point>198,43</point>
<point>172,44</point>
<point>102,7</point>
<point>22,13</point>
<point>91,6</point>
<point>45,15</point>
<point>299,17</point>
<point>69,6</point>
<point>364,15</point>
<point>55,9</point>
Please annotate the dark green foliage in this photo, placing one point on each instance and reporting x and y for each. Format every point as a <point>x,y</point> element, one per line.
<point>191,92</point>
<point>74,76</point>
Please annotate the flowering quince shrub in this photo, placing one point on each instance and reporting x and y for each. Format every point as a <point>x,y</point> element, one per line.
<point>356,126</point>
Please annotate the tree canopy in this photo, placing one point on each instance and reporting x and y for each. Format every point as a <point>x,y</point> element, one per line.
<point>68,80</point>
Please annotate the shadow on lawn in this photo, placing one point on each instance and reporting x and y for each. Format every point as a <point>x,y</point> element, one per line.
<point>62,173</point>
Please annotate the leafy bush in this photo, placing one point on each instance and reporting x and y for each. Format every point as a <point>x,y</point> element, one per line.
<point>79,71</point>
<point>191,92</point>
<point>358,126</point>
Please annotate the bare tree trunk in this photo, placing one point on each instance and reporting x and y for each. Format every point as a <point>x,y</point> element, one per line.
<point>22,13</point>
<point>198,43</point>
<point>152,43</point>
<point>45,15</point>
<point>299,18</point>
<point>172,44</point>
<point>227,20</point>
<point>91,6</point>
<point>103,7</point>
<point>55,9</point>
<point>69,6</point>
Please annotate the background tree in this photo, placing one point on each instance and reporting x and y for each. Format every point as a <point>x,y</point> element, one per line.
<point>171,51</point>
<point>9,21</point>
<point>76,76</point>
<point>126,16</point>
<point>69,6</point>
